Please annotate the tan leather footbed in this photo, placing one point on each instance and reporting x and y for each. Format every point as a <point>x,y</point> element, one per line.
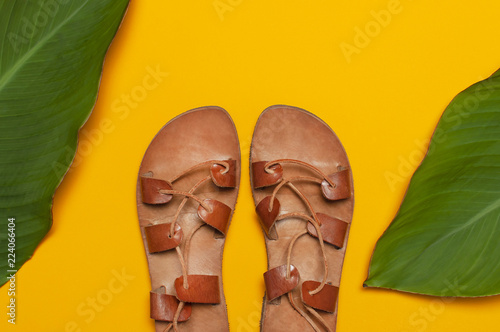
<point>196,136</point>
<point>288,132</point>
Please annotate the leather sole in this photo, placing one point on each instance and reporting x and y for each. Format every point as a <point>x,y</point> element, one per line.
<point>285,132</point>
<point>194,137</point>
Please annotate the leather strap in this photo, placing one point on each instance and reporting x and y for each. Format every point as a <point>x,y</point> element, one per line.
<point>224,178</point>
<point>276,282</point>
<point>262,178</point>
<point>163,307</point>
<point>325,299</point>
<point>332,229</point>
<point>157,237</point>
<point>268,218</point>
<point>219,215</point>
<point>202,289</point>
<point>150,188</point>
<point>342,189</point>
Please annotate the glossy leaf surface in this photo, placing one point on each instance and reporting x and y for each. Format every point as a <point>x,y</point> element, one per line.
<point>445,238</point>
<point>51,59</point>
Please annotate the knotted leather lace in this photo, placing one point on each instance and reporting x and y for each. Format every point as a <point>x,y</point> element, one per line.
<point>183,257</point>
<point>313,219</point>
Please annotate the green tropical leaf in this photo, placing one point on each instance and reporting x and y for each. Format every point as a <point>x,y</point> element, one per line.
<point>51,60</point>
<point>445,239</point>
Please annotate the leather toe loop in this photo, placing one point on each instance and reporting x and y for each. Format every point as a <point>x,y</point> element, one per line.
<point>218,216</point>
<point>332,229</point>
<point>150,189</point>
<point>263,177</point>
<point>224,177</point>
<point>276,282</point>
<point>159,238</point>
<point>342,189</point>
<point>325,300</point>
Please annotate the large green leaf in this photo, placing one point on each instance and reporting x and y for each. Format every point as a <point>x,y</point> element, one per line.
<point>445,239</point>
<point>51,60</point>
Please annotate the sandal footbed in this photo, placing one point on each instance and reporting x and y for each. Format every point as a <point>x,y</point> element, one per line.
<point>285,132</point>
<point>193,137</point>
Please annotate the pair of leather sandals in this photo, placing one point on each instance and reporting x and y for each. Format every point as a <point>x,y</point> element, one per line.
<point>186,193</point>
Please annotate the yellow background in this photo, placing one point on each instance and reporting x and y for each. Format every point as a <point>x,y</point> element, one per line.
<point>383,101</point>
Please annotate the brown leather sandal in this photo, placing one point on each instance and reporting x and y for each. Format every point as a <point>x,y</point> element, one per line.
<point>186,192</point>
<point>303,191</point>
